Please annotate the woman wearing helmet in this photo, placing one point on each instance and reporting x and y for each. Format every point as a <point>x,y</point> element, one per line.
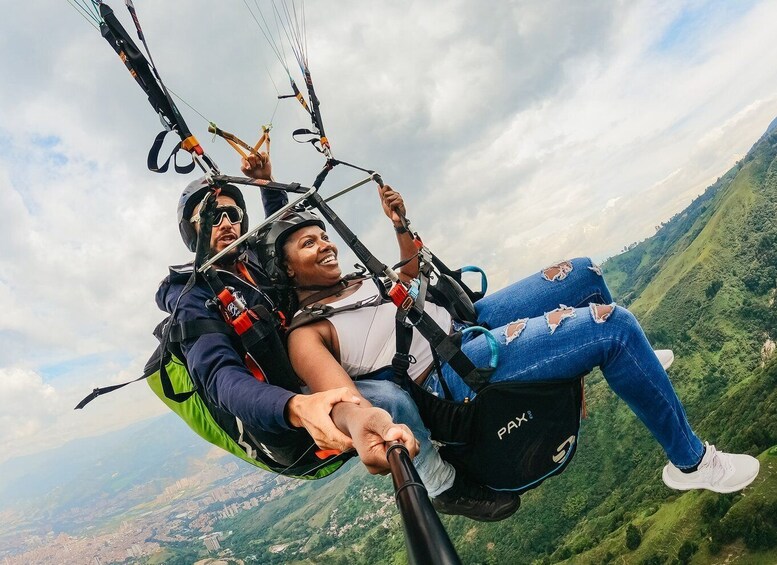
<point>540,338</point>
<point>299,238</point>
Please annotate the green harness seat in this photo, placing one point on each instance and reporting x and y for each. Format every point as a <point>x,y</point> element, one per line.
<point>292,453</point>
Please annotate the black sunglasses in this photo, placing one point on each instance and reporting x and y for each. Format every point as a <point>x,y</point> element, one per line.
<point>234,215</point>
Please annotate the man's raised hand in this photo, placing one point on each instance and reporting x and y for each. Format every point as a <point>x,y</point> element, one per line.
<point>257,166</point>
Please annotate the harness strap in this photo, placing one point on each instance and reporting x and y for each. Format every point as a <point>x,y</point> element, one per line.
<point>257,331</point>
<point>448,347</point>
<point>178,332</point>
<point>264,347</point>
<point>443,383</point>
<point>152,161</point>
<point>106,389</point>
<point>340,286</point>
<point>401,361</point>
<point>316,312</point>
<point>193,329</point>
<point>474,296</point>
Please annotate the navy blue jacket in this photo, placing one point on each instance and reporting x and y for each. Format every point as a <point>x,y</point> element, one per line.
<point>214,363</point>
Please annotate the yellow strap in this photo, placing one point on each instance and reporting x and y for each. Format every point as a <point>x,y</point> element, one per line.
<point>236,147</point>
<point>232,139</point>
<point>302,101</point>
<point>262,140</point>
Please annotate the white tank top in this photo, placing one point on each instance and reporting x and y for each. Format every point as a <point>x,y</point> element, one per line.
<point>367,335</point>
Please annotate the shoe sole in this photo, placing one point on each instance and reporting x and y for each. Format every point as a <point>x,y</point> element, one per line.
<point>668,481</point>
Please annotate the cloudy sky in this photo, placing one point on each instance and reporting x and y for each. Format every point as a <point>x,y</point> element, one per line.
<point>519,132</point>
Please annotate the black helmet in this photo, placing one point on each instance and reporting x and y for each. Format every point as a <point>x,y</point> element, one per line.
<point>193,195</point>
<point>269,242</point>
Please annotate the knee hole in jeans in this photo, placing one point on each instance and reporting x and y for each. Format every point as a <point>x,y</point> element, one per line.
<point>555,317</point>
<point>514,330</point>
<point>601,312</point>
<point>558,271</point>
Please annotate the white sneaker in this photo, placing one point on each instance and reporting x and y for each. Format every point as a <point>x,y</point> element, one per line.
<point>718,472</point>
<point>665,357</point>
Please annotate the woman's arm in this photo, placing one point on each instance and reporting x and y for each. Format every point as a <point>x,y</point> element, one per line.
<point>311,354</point>
<point>371,428</point>
<point>394,208</point>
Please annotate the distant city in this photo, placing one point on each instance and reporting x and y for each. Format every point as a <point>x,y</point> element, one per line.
<point>185,511</point>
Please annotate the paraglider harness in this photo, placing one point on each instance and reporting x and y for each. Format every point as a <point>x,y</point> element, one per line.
<point>255,332</point>
<point>511,435</point>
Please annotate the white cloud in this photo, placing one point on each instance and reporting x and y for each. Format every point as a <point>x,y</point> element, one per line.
<point>26,402</point>
<point>36,415</point>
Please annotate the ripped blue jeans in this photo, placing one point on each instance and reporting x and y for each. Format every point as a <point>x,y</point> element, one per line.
<point>560,323</point>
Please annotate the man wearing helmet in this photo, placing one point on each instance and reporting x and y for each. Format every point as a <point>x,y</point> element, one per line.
<point>216,365</point>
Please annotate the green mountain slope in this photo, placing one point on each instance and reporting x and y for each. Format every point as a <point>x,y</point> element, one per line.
<point>704,286</point>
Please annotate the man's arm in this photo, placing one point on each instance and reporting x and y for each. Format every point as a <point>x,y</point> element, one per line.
<point>260,167</point>
<point>221,374</point>
<point>215,364</point>
<point>218,369</point>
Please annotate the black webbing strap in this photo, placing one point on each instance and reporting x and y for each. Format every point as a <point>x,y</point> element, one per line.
<point>457,276</point>
<point>138,66</point>
<point>176,333</point>
<point>265,348</point>
<point>193,329</point>
<point>443,383</point>
<point>152,161</point>
<point>315,312</point>
<point>179,332</point>
<point>401,361</point>
<point>106,389</point>
<point>261,341</point>
<point>351,165</point>
<point>203,241</point>
<point>423,288</point>
<point>256,337</point>
<point>147,78</point>
<point>315,141</point>
<point>402,358</point>
<point>265,314</point>
<point>448,347</point>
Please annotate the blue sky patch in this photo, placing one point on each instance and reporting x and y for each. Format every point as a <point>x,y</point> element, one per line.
<point>84,365</point>
<point>48,145</point>
<point>697,21</point>
<point>46,141</point>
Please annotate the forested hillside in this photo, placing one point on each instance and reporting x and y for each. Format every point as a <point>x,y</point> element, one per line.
<point>704,286</point>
